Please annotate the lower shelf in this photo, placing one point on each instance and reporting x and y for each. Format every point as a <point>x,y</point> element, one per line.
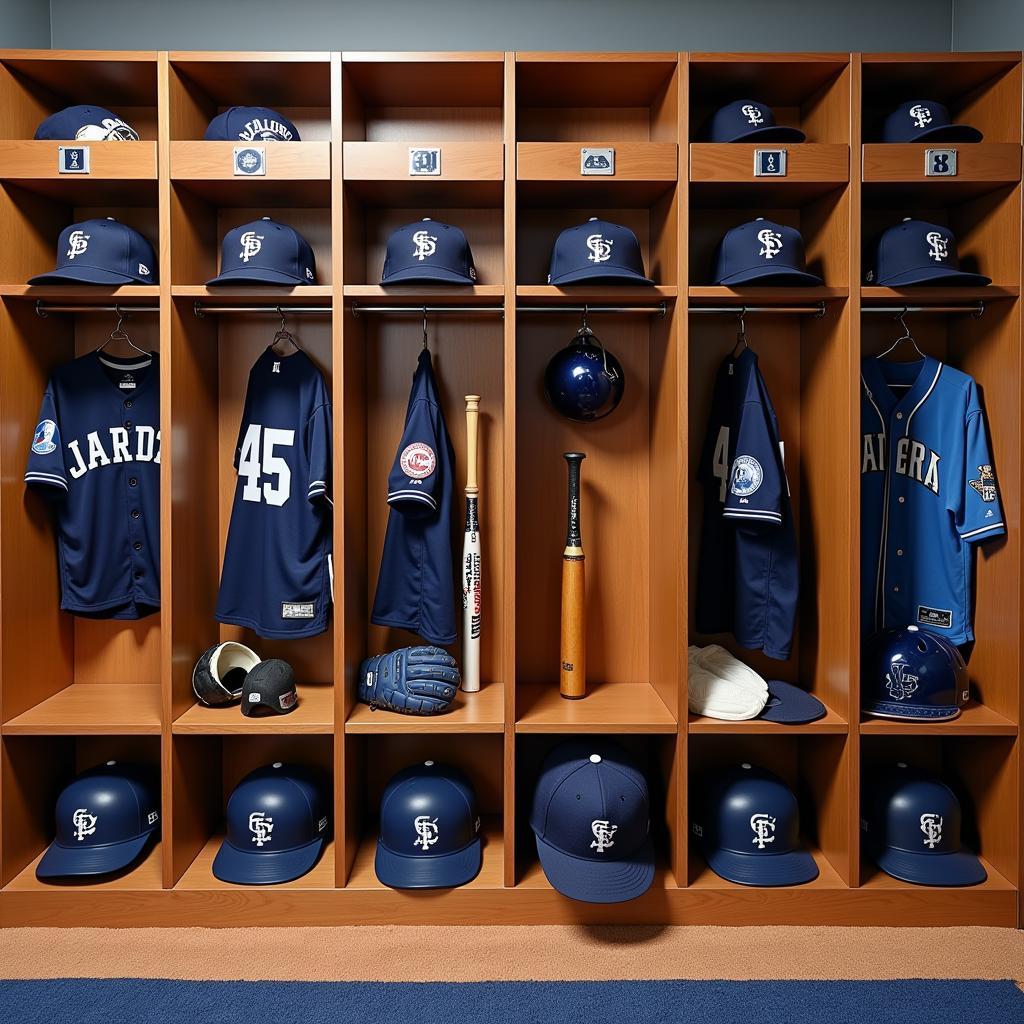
<point>144,877</point>
<point>199,874</point>
<point>100,709</point>
<point>607,708</point>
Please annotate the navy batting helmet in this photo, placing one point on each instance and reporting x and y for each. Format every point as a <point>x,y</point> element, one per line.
<point>584,381</point>
<point>911,673</point>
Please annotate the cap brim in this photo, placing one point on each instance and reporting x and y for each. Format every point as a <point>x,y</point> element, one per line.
<point>75,862</point>
<point>256,276</point>
<point>948,869</point>
<point>431,275</point>
<point>265,868</point>
<point>262,710</point>
<point>446,872</point>
<point>791,705</point>
<point>934,275</point>
<point>83,275</point>
<point>772,133</point>
<point>949,133</point>
<point>601,277</point>
<point>883,709</point>
<point>769,275</point>
<point>773,869</point>
<point>592,881</point>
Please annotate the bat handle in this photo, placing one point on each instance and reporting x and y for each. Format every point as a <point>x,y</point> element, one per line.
<point>472,428</point>
<point>573,534</point>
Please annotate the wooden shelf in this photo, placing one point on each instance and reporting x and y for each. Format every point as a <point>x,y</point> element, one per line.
<point>315,714</point>
<point>702,877</point>
<point>285,162</point>
<point>874,878</point>
<point>831,724</point>
<point>607,708</point>
<point>199,874</point>
<point>533,876</point>
<point>245,193</point>
<point>93,709</point>
<point>483,711</point>
<point>425,294</point>
<point>257,294</point>
<point>389,161</point>
<point>560,161</point>
<point>85,294</point>
<point>777,295</point>
<point>974,720</point>
<point>806,163</point>
<point>925,295</point>
<point>145,876</point>
<point>428,193</point>
<point>595,193</point>
<point>989,163</point>
<point>23,159</point>
<point>571,295</point>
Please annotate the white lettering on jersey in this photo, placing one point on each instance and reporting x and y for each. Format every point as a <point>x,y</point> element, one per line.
<point>146,449</point>
<point>97,456</point>
<point>914,459</point>
<point>256,458</point>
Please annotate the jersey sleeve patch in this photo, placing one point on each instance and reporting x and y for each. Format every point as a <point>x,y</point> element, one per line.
<point>46,458</point>
<point>980,515</point>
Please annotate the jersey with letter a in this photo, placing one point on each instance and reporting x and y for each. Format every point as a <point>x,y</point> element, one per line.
<point>747,572</point>
<point>928,495</point>
<point>96,452</point>
<point>276,578</point>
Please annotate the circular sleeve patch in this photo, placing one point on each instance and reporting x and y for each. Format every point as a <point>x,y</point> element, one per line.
<point>42,440</point>
<point>746,475</point>
<point>418,460</point>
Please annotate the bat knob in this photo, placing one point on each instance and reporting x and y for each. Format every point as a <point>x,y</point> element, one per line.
<point>574,456</point>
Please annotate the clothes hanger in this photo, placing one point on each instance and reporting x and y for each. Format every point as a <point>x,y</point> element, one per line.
<point>585,336</point>
<point>741,337</point>
<point>905,336</point>
<point>426,347</point>
<point>120,334</point>
<point>283,334</point>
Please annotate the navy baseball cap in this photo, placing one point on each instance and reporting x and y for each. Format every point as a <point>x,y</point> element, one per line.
<point>104,820</point>
<point>591,821</point>
<point>917,252</point>
<point>750,829</point>
<point>762,252</point>
<point>925,121</point>
<point>427,251</point>
<point>913,829</point>
<point>429,829</point>
<point>86,124</point>
<point>749,121</point>
<point>101,251</point>
<point>265,252</point>
<point>790,704</point>
<point>598,252</point>
<point>276,827</point>
<point>251,124</point>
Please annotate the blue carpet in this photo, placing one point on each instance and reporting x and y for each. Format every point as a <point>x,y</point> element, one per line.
<point>610,1002</point>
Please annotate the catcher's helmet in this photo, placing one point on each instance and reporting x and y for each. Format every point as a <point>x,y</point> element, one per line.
<point>584,381</point>
<point>911,673</point>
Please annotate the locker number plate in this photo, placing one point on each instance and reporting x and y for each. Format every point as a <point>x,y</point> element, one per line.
<point>72,159</point>
<point>940,163</point>
<point>597,161</point>
<point>250,161</point>
<point>425,160</point>
<point>769,163</point>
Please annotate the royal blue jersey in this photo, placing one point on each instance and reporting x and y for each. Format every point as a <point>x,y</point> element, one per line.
<point>96,453</point>
<point>747,571</point>
<point>928,495</point>
<point>416,582</point>
<point>276,579</point>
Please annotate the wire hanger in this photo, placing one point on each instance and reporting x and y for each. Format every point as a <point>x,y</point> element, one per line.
<point>426,346</point>
<point>283,334</point>
<point>741,336</point>
<point>120,334</point>
<point>905,336</point>
<point>585,336</point>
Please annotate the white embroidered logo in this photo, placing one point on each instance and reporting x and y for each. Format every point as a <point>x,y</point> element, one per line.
<point>938,246</point>
<point>426,245</point>
<point>900,683</point>
<point>931,826</point>
<point>84,822</point>
<point>771,243</point>
<point>922,115</point>
<point>604,834</point>
<point>276,368</point>
<point>426,830</point>
<point>143,270</point>
<point>78,242</point>
<point>752,114</point>
<point>600,248</point>
<point>251,245</point>
<point>763,827</point>
<point>260,826</point>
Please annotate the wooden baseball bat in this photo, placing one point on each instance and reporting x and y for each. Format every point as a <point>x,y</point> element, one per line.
<point>572,682</point>
<point>471,564</point>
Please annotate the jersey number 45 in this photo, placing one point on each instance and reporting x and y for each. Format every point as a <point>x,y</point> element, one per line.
<point>257,460</point>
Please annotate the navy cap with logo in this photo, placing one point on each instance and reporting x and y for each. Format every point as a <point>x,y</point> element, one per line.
<point>86,124</point>
<point>597,252</point>
<point>591,821</point>
<point>277,824</point>
<point>749,121</point>
<point>749,826</point>
<point>790,704</point>
<point>919,252</point>
<point>912,824</point>
<point>430,252</point>
<point>762,252</point>
<point>104,820</point>
<point>925,121</point>
<point>101,251</point>
<point>429,829</point>
<point>265,252</point>
<point>251,124</point>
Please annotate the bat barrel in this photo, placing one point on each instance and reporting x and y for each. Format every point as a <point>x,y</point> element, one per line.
<point>572,682</point>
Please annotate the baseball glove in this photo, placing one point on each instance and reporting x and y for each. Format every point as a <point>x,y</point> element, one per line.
<point>410,680</point>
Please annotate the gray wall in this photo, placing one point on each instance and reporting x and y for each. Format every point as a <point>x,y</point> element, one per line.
<point>988,24</point>
<point>25,23</point>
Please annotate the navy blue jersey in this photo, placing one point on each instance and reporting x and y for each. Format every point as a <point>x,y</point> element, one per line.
<point>277,576</point>
<point>928,495</point>
<point>747,574</point>
<point>96,452</point>
<point>416,583</point>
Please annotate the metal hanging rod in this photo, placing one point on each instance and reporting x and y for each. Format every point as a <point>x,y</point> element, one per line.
<point>202,310</point>
<point>358,311</point>
<point>659,310</point>
<point>44,309</point>
<point>976,309</point>
<point>738,311</point>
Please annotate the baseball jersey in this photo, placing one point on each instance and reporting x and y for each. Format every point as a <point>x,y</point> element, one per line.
<point>416,582</point>
<point>928,495</point>
<point>96,454</point>
<point>747,571</point>
<point>276,578</point>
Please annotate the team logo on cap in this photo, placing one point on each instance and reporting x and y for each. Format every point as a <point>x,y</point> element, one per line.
<point>763,827</point>
<point>251,245</point>
<point>109,129</point>
<point>922,115</point>
<point>265,129</point>
<point>425,245</point>
<point>746,476</point>
<point>84,822</point>
<point>900,683</point>
<point>42,440</point>
<point>752,114</point>
<point>931,826</point>
<point>260,826</point>
<point>985,485</point>
<point>418,460</point>
<point>600,248</point>
<point>78,242</point>
<point>426,831</point>
<point>938,247</point>
<point>771,243</point>
<point>604,834</point>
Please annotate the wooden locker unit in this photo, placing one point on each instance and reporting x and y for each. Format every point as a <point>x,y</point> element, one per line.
<point>510,128</point>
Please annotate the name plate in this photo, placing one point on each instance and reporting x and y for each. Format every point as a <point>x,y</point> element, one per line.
<point>769,163</point>
<point>597,160</point>
<point>425,161</point>
<point>940,163</point>
<point>250,161</point>
<point>72,159</point>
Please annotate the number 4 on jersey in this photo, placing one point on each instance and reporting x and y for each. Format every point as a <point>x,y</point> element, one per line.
<point>255,459</point>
